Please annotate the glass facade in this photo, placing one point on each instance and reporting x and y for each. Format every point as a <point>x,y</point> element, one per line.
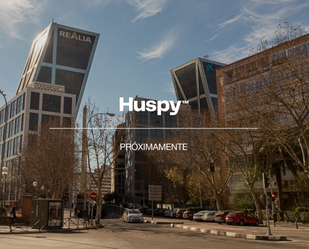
<point>198,82</point>
<point>51,103</point>
<point>67,49</point>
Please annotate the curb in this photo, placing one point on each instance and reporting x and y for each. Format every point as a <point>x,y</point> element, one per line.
<point>161,222</point>
<point>49,231</point>
<point>232,234</point>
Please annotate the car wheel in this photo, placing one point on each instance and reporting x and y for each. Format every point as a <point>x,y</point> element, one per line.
<point>257,223</point>
<point>220,223</point>
<point>229,223</point>
<point>241,222</point>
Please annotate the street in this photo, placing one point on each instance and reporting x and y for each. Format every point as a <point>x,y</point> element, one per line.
<point>118,234</point>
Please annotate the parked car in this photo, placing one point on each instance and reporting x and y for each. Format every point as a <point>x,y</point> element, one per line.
<point>210,216</point>
<point>241,218</point>
<point>179,213</point>
<point>168,213</point>
<point>162,211</point>
<point>156,211</point>
<point>132,215</point>
<point>188,214</point>
<point>221,215</point>
<point>199,216</point>
<point>148,211</point>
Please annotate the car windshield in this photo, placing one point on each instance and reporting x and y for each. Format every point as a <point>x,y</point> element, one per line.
<point>210,213</point>
<point>233,214</point>
<point>220,213</point>
<point>134,212</point>
<point>203,212</point>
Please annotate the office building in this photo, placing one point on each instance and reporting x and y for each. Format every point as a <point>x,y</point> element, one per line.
<point>195,81</point>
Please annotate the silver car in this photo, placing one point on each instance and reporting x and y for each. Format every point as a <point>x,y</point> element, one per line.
<point>200,216</point>
<point>132,215</point>
<point>210,216</point>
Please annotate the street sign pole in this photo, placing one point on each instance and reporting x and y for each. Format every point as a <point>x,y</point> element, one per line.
<point>152,209</point>
<point>267,210</point>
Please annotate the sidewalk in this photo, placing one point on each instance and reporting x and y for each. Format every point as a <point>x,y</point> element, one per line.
<point>280,232</point>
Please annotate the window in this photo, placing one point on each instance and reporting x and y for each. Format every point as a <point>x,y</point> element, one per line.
<point>16,146</point>
<point>156,135</point>
<point>9,148</point>
<point>17,125</point>
<point>35,98</point>
<point>21,143</point>
<point>24,95</point>
<point>11,129</point>
<point>12,109</point>
<point>5,147</point>
<point>168,133</point>
<point>141,135</point>
<point>170,121</point>
<point>18,104</point>
<point>22,123</point>
<point>231,199</point>
<point>51,103</point>
<point>1,135</point>
<point>141,117</point>
<point>33,122</point>
<point>155,119</point>
<point>2,117</point>
<point>67,106</point>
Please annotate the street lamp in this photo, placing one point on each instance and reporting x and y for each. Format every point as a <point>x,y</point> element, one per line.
<point>84,135</point>
<point>5,171</point>
<point>3,139</point>
<point>42,191</point>
<point>35,184</point>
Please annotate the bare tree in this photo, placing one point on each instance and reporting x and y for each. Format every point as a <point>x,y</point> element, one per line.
<point>50,158</point>
<point>100,148</point>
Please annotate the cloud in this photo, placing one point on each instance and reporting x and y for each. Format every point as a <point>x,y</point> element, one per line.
<point>261,24</point>
<point>170,88</point>
<point>147,8</point>
<point>211,38</point>
<point>14,12</point>
<point>159,50</point>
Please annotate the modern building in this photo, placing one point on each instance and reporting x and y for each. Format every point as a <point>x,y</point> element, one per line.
<point>51,86</point>
<point>27,111</point>
<point>106,183</point>
<point>60,55</point>
<point>137,178</point>
<point>195,81</point>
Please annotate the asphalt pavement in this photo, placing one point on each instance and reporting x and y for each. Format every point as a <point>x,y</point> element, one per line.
<point>119,234</point>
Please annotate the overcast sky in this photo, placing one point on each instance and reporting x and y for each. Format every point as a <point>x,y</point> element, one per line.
<point>142,40</point>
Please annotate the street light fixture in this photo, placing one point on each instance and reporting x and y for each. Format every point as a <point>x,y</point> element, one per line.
<point>35,184</point>
<point>5,171</point>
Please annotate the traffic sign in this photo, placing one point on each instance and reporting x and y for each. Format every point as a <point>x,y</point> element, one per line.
<point>93,196</point>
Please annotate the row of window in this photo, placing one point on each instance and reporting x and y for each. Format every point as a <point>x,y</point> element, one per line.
<point>13,127</point>
<point>141,135</point>
<point>51,103</point>
<point>156,120</point>
<point>12,147</point>
<point>13,109</point>
<point>34,119</point>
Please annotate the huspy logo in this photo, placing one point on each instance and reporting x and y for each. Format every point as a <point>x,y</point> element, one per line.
<point>150,106</point>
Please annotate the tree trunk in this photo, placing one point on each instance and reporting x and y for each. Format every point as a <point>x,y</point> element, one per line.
<point>279,187</point>
<point>219,201</point>
<point>99,204</point>
<point>257,204</point>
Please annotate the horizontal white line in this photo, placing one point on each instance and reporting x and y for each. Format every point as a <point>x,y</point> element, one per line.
<point>153,128</point>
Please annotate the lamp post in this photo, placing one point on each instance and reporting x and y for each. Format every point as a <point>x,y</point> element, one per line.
<point>5,171</point>
<point>85,124</point>
<point>35,184</point>
<point>42,191</point>
<point>3,139</point>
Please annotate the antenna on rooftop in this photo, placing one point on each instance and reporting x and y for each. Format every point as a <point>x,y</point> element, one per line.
<point>206,56</point>
<point>53,20</point>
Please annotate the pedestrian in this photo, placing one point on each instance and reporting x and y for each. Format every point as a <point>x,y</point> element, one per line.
<point>75,212</point>
<point>12,216</point>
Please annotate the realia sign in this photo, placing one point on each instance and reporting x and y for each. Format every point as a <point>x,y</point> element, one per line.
<point>150,106</point>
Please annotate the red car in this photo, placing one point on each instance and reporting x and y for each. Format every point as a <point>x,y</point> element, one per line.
<point>221,215</point>
<point>241,218</point>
